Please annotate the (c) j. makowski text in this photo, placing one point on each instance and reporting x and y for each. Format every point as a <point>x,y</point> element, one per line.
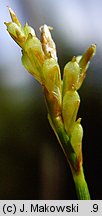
<point>50,208</point>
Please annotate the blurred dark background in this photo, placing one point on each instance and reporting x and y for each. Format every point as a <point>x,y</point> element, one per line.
<point>32,164</point>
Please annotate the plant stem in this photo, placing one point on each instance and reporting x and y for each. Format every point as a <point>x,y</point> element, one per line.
<point>75,165</point>
<point>77,169</point>
<point>81,185</point>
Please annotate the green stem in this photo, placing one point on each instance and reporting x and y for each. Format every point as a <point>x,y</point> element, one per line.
<point>75,165</point>
<point>81,185</point>
<point>77,169</point>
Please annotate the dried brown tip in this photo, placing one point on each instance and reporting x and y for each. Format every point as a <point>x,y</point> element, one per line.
<point>14,17</point>
<point>90,52</point>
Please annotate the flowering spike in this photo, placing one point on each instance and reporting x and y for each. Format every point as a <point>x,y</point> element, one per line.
<point>71,101</point>
<point>52,78</point>
<point>31,67</point>
<point>62,98</point>
<point>17,32</point>
<point>28,30</point>
<point>75,71</point>
<point>76,139</point>
<point>71,76</point>
<point>84,63</point>
<point>48,44</point>
<point>35,53</point>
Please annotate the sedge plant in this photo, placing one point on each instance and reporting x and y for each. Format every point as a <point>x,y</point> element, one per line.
<point>62,99</point>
